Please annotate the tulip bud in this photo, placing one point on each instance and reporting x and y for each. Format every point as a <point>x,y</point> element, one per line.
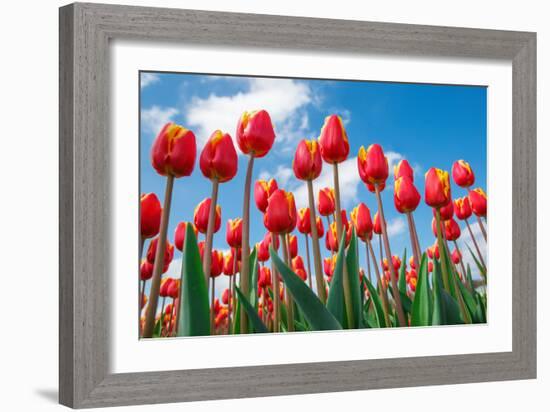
<point>267,240</point>
<point>263,251</point>
<point>298,267</point>
<point>405,196</point>
<point>463,174</point>
<point>433,251</point>
<point>396,262</point>
<point>326,202</point>
<point>452,230</point>
<point>164,284</point>
<point>217,263</point>
<point>403,168</point>
<point>264,279</point>
<point>304,221</point>
<point>320,227</point>
<point>225,296</point>
<point>280,215</point>
<point>478,201</point>
<point>293,246</point>
<point>234,232</point>
<point>173,289</point>
<point>446,211</point>
<point>360,216</point>
<point>372,164</point>
<point>456,257</point>
<point>145,270</point>
<point>255,134</point>
<point>262,190</point>
<point>201,215</point>
<point>462,208</point>
<point>412,282</point>
<point>333,140</point>
<point>229,268</point>
<point>372,188</point>
<point>179,235</point>
<point>218,159</point>
<point>430,266</point>
<point>412,263</point>
<point>168,253</point>
<point>150,212</point>
<point>174,151</point>
<point>438,188</point>
<point>377,226</point>
<point>307,161</point>
<point>332,241</point>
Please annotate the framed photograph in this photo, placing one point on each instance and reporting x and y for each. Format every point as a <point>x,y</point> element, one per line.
<point>334,203</point>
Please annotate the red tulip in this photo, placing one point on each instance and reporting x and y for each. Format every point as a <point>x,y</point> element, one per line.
<point>150,212</point>
<point>331,239</point>
<point>462,208</point>
<point>456,257</point>
<point>326,202</point>
<point>405,196</point>
<point>360,216</point>
<point>298,267</point>
<point>430,266</point>
<point>377,226</point>
<point>234,232</point>
<point>225,296</point>
<point>173,289</point>
<point>452,230</point>
<point>267,240</point>
<point>262,190</point>
<point>218,159</point>
<point>264,279</point>
<point>372,164</point>
<point>217,263</point>
<point>433,251</point>
<point>372,188</point>
<point>304,221</point>
<point>280,215</point>
<point>412,282</point>
<point>255,134</point>
<point>446,211</point>
<point>229,268</point>
<point>478,201</point>
<point>201,216</point>
<point>144,300</point>
<point>438,188</point>
<point>463,174</point>
<point>395,261</point>
<point>412,263</point>
<point>263,251</point>
<point>179,235</point>
<point>320,227</point>
<point>403,168</point>
<point>329,264</point>
<point>164,284</point>
<point>174,151</point>
<point>145,270</point>
<point>307,161</point>
<point>333,140</point>
<point>168,253</point>
<point>293,246</point>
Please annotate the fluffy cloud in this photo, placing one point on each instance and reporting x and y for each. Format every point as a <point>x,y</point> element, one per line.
<point>147,79</point>
<point>154,118</point>
<point>284,99</point>
<point>396,226</point>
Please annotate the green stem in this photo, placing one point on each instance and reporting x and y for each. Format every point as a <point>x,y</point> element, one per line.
<point>289,300</point>
<point>380,284</point>
<point>308,262</point>
<point>207,257</point>
<point>319,280</point>
<point>276,295</point>
<point>441,249</point>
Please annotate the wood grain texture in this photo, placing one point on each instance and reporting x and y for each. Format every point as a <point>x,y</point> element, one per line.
<point>85,31</point>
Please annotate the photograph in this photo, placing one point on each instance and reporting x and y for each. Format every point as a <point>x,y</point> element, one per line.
<point>281,205</point>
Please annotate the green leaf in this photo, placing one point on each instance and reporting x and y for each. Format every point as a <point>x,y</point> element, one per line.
<point>335,301</point>
<point>468,299</point>
<point>352,263</point>
<point>237,317</point>
<point>422,305</point>
<point>469,277</point>
<point>194,314</point>
<point>254,278</point>
<point>481,310</point>
<point>439,315</point>
<point>257,323</point>
<point>452,311</point>
<point>316,314</point>
<point>478,263</point>
<point>158,328</point>
<point>402,277</point>
<point>378,310</point>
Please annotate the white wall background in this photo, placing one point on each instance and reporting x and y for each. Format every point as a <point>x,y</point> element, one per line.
<point>29,219</point>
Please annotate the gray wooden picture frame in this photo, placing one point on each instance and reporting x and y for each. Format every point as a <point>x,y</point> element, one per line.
<point>85,32</point>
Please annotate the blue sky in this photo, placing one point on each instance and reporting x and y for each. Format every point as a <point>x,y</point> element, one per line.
<point>429,125</point>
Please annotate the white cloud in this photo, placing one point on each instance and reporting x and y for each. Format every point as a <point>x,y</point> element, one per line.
<point>396,226</point>
<point>154,118</point>
<point>148,79</point>
<point>284,99</point>
<point>282,175</point>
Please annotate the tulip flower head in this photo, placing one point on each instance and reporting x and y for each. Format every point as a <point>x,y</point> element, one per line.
<point>462,208</point>
<point>320,227</point>
<point>478,201</point>
<point>463,174</point>
<point>396,262</point>
<point>377,226</point>
<point>307,162</point>
<point>218,159</point>
<point>234,232</point>
<point>372,165</point>
<point>168,253</point>
<point>264,279</point>
<point>179,235</point>
<point>229,268</point>
<point>405,196</point>
<point>298,267</point>
<point>164,284</point>
<point>262,190</point>
<point>326,202</point>
<point>331,239</point>
<point>437,188</point>
<point>173,289</point>
<point>447,211</point>
<point>174,151</point>
<point>150,213</point>
<point>280,215</point>
<point>226,295</point>
<point>263,251</point>
<point>452,230</point>
<point>304,221</point>
<point>433,251</point>
<point>403,168</point>
<point>456,257</point>
<point>412,263</point>
<point>255,133</point>
<point>293,246</point>
<point>334,140</point>
<point>145,270</point>
<point>360,217</point>
<point>217,263</point>
<point>201,214</point>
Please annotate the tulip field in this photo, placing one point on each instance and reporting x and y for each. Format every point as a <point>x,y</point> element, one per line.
<point>313,267</point>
